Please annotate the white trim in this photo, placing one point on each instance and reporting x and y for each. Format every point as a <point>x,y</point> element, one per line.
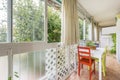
<point>10,64</point>
<point>18,48</point>
<point>9,20</point>
<point>46,23</point>
<point>93,30</point>
<point>84,29</point>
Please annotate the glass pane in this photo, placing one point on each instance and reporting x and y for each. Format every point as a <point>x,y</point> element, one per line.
<point>54,21</point>
<point>29,66</point>
<point>28,20</point>
<point>4,68</point>
<point>3,20</point>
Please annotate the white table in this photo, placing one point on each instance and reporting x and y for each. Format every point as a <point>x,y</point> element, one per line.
<point>98,54</point>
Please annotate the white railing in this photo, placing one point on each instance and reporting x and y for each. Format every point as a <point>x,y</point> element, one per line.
<point>59,60</point>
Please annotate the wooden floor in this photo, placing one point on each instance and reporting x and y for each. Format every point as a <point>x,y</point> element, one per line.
<point>113,71</point>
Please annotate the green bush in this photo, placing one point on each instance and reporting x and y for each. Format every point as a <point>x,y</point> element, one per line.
<point>113,50</point>
<point>54,25</point>
<point>90,43</point>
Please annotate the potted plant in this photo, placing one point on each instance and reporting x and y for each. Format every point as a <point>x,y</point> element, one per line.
<point>91,45</point>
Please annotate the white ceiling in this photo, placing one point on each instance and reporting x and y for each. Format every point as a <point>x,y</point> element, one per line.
<point>103,11</point>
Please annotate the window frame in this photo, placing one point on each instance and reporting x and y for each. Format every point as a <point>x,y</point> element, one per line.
<point>11,48</point>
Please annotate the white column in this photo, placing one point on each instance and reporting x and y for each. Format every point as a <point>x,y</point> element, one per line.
<point>84,31</point>
<point>9,38</point>
<point>9,20</point>
<point>97,32</point>
<point>92,29</point>
<point>46,23</point>
<point>100,34</point>
<point>118,38</point>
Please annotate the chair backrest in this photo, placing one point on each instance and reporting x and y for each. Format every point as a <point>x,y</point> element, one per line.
<point>105,52</point>
<point>84,52</point>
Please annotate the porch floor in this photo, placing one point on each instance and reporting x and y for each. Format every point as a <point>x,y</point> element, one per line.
<point>112,71</point>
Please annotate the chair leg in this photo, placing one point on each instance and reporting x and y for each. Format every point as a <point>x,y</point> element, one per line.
<point>103,68</point>
<point>90,73</point>
<point>82,66</point>
<point>94,67</point>
<point>79,69</point>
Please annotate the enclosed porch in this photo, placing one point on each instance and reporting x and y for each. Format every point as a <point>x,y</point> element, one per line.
<point>39,38</point>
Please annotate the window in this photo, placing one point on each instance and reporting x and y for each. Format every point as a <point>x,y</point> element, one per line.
<point>54,21</point>
<point>28,20</point>
<point>85,29</point>
<point>3,21</point>
<point>29,66</point>
<point>26,23</point>
<point>4,68</point>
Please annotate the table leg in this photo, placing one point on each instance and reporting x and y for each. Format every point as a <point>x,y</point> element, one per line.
<point>100,69</point>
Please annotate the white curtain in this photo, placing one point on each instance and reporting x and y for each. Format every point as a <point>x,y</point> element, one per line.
<point>70,29</point>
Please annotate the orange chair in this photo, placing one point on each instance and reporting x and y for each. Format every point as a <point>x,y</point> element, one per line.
<point>84,58</point>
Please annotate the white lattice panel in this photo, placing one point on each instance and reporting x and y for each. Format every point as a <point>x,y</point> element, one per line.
<point>51,64</point>
<point>73,54</point>
<point>61,63</point>
<point>65,61</point>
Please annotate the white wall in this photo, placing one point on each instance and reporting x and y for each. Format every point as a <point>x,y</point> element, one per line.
<point>109,30</point>
<point>106,40</point>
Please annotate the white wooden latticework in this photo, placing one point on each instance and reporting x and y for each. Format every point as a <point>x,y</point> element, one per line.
<point>66,61</point>
<point>62,66</point>
<point>60,62</point>
<point>51,64</point>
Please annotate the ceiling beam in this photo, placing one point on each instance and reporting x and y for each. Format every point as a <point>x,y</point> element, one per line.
<point>108,26</point>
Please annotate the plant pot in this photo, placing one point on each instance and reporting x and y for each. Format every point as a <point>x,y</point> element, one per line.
<point>92,47</point>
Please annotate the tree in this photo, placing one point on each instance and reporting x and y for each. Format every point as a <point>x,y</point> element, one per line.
<point>113,50</point>
<point>3,21</point>
<point>54,25</point>
<point>28,21</point>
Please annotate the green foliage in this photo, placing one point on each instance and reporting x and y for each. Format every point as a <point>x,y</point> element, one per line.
<point>28,21</point>
<point>54,25</point>
<point>113,50</point>
<point>90,43</point>
<point>16,74</point>
<point>9,78</point>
